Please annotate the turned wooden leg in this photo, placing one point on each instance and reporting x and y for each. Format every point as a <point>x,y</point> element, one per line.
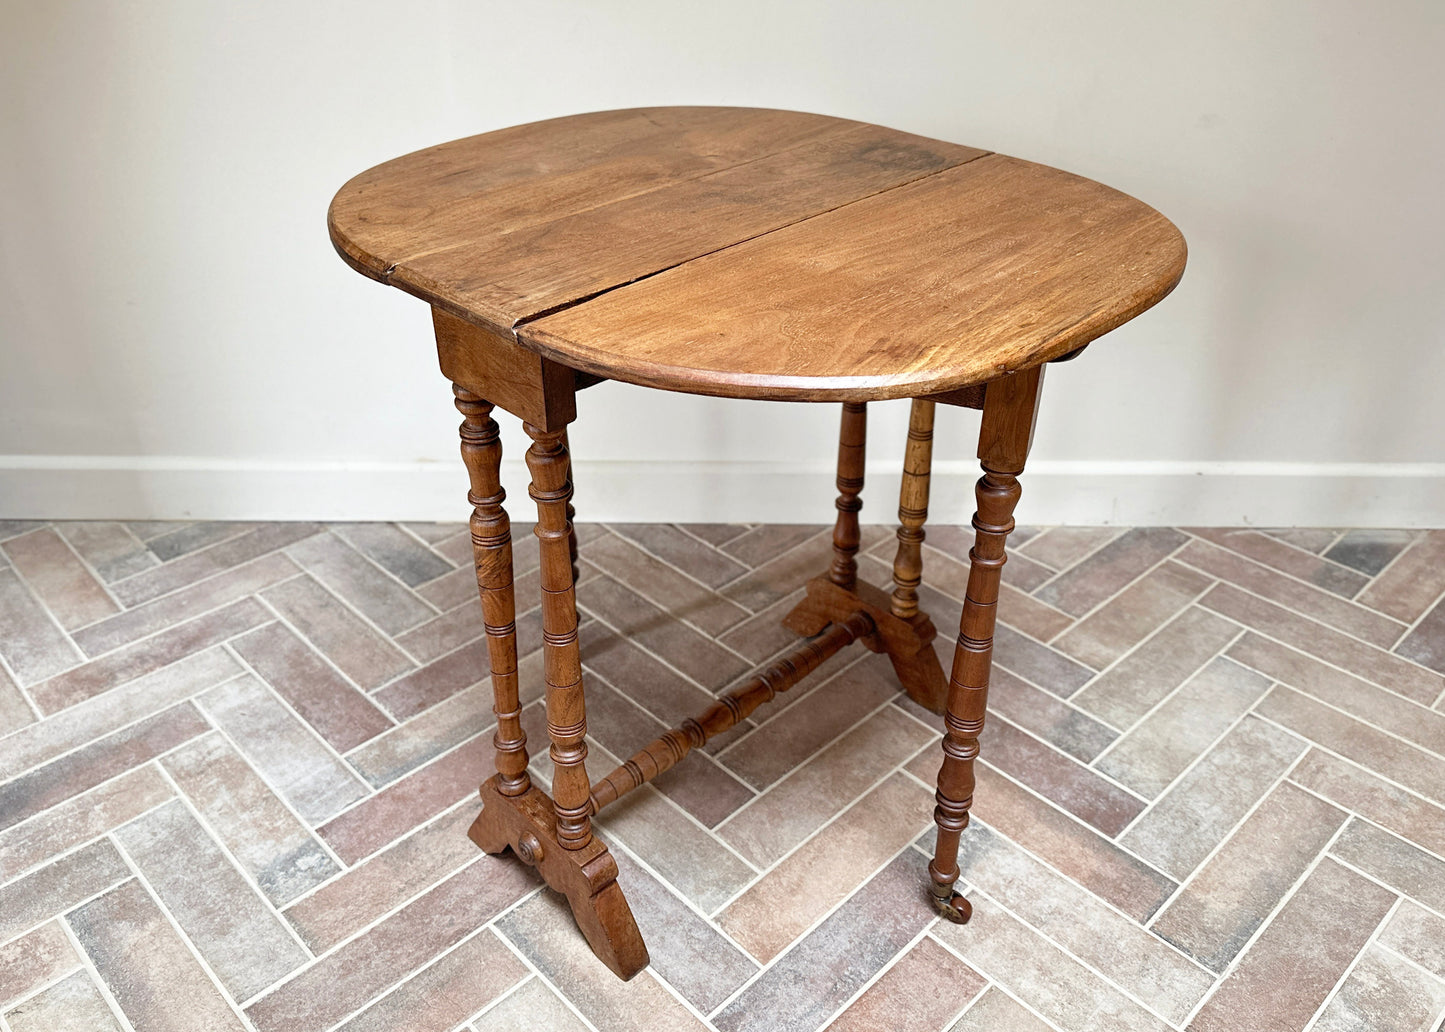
<point>852,449</point>
<point>1010,406</point>
<point>913,509</point>
<point>571,513</point>
<point>492,551</point>
<point>566,705</point>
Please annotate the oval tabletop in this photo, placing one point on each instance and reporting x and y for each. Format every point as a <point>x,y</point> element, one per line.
<point>760,254</point>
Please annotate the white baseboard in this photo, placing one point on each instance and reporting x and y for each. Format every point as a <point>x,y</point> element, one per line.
<point>1128,493</point>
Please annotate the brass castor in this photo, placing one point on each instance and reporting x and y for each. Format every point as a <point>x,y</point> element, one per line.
<point>955,908</point>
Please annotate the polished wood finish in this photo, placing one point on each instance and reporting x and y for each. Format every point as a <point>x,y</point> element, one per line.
<point>508,226</point>
<point>1009,411</point>
<point>492,549</point>
<point>913,509</point>
<point>757,254</point>
<point>852,451</point>
<point>668,749</point>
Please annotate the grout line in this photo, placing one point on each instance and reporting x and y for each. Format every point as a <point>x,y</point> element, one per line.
<point>1268,920</point>
<point>175,924</point>
<point>1179,688</point>
<point>538,974</point>
<point>88,965</point>
<point>1354,962</point>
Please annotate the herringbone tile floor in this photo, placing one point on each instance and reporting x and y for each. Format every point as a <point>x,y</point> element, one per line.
<point>239,761</point>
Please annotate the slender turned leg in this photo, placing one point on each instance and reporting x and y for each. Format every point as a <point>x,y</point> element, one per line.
<point>913,510</point>
<point>571,513</point>
<point>1009,409</point>
<point>852,446</point>
<point>492,550</point>
<point>566,706</point>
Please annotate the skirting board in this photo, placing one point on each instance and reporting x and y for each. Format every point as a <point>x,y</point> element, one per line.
<point>1125,493</point>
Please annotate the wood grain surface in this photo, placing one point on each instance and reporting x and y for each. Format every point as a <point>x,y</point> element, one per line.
<point>757,253</point>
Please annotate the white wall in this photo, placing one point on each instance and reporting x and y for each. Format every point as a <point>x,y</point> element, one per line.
<point>177,338</point>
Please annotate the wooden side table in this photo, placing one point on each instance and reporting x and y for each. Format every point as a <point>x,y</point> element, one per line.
<point>749,254</point>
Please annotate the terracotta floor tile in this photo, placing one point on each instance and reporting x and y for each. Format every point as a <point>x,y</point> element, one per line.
<point>763,635</point>
<point>79,771</point>
<point>56,888</point>
<point>1110,569</point>
<point>1286,558</point>
<point>15,711</point>
<point>441,634</point>
<point>532,1007</point>
<point>1382,708</point>
<point>414,799</point>
<point>33,646</point>
<point>1159,748</point>
<point>1057,722</point>
<point>1383,991</point>
<point>1315,603</point>
<point>681,646</point>
<point>111,549</point>
<point>796,892</point>
<point>148,968</point>
<point>192,537</point>
<point>1383,668</point>
<point>104,714</point>
<point>347,904</point>
<point>342,637</point>
<point>1369,550</point>
<point>1280,985</point>
<point>286,751</point>
<point>1009,952</point>
<point>1137,612</point>
<point>1417,935</point>
<point>1360,791</point>
<point>89,815</point>
<point>1310,539</point>
<point>781,574</point>
<point>1045,667</point>
<point>762,543</point>
<point>1184,824</point>
<point>365,586</point>
<point>924,989</point>
<point>641,677</point>
<point>339,713</point>
<point>716,534</point>
<point>694,957</point>
<point>207,562</point>
<point>212,593</point>
<point>683,550</point>
<point>423,738</point>
<point>1128,690</point>
<point>394,550</point>
<point>56,574</point>
<point>30,961</point>
<point>663,586</point>
<point>788,737</point>
<point>797,805</point>
<point>1062,547</point>
<point>1413,582</point>
<point>1071,847</point>
<point>261,833</point>
<point>542,929</point>
<point>147,655</point>
<point>381,957</point>
<point>72,1003</point>
<point>679,849</point>
<point>1411,767</point>
<point>1409,871</point>
<point>241,939</point>
<point>449,991</point>
<point>1426,643</point>
<point>1053,775</point>
<point>1077,920</point>
<point>1234,893</point>
<point>996,1011</point>
<point>820,972</point>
